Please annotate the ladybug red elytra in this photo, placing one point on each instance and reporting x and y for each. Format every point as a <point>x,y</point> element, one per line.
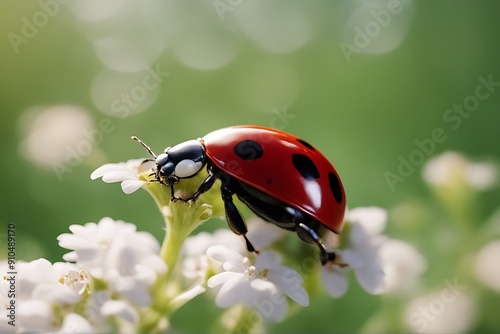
<point>281,178</point>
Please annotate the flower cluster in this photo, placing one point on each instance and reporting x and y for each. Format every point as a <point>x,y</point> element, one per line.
<point>260,282</point>
<point>43,291</point>
<point>117,277</point>
<point>106,279</point>
<point>116,254</point>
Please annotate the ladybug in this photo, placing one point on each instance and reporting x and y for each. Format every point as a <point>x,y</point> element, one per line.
<point>283,179</point>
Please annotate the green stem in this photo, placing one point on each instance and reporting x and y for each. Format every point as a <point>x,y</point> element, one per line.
<point>240,319</point>
<point>181,219</point>
<point>170,250</point>
<point>160,291</point>
<point>172,244</point>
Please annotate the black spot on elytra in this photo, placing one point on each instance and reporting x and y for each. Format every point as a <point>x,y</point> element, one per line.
<point>248,150</point>
<point>305,166</point>
<point>306,144</point>
<point>335,186</point>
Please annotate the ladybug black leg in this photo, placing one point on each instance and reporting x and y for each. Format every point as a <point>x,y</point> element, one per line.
<point>309,235</point>
<point>234,218</point>
<point>146,160</point>
<point>204,187</point>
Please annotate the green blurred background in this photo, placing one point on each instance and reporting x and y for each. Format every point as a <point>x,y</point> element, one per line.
<point>276,63</point>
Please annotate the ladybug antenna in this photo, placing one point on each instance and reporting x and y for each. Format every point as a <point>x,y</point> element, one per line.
<point>144,145</point>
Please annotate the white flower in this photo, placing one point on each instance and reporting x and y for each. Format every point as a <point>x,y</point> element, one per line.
<point>78,280</point>
<point>93,308</point>
<point>75,323</point>
<point>186,296</point>
<point>260,285</point>
<point>402,265</point>
<point>38,294</point>
<point>121,309</point>
<point>450,167</point>
<point>362,230</point>
<point>125,172</point>
<point>39,279</point>
<point>487,267</point>
<point>449,310</point>
<point>51,133</point>
<point>195,261</point>
<point>263,234</point>
<point>334,279</point>
<point>115,252</point>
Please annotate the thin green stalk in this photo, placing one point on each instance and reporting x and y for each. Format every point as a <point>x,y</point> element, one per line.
<point>181,219</point>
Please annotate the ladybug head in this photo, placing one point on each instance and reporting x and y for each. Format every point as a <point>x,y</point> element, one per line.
<point>181,161</point>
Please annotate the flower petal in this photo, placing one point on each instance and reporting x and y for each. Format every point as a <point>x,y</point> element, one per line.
<point>130,186</point>
<point>372,219</point>
<point>289,281</point>
<point>117,176</point>
<point>352,258</point>
<point>132,166</point>
<point>142,164</point>
<point>267,259</point>
<point>235,290</point>
<point>35,315</point>
<point>99,172</point>
<point>221,278</point>
<point>277,313</point>
<point>371,278</point>
<point>335,281</point>
<point>71,241</point>
<point>121,309</point>
<point>268,300</point>
<point>262,233</point>
<point>223,254</point>
<point>487,269</point>
<point>75,323</point>
<point>186,296</point>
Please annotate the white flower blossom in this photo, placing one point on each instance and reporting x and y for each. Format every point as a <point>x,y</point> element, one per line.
<point>75,323</point>
<point>51,132</point>
<point>449,310</point>
<point>125,172</point>
<point>195,261</point>
<point>450,167</point>
<point>78,280</point>
<point>93,308</point>
<point>38,294</point>
<point>487,268</point>
<point>121,309</point>
<point>361,253</point>
<point>402,265</point>
<point>261,284</point>
<point>263,234</point>
<point>334,279</point>
<point>115,252</point>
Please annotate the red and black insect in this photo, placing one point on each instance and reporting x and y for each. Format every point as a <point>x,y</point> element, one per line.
<point>281,178</point>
